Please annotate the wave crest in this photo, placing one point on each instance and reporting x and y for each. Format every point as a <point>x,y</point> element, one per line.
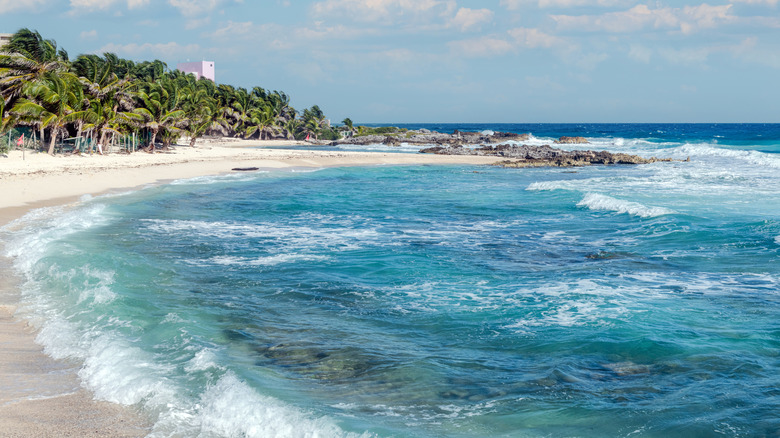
<point>595,201</point>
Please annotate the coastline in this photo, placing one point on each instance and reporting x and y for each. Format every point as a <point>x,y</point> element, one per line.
<point>43,397</point>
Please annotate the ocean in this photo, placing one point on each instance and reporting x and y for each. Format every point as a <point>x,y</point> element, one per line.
<point>431,301</point>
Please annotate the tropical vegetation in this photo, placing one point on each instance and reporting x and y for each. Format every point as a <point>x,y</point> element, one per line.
<point>100,100</point>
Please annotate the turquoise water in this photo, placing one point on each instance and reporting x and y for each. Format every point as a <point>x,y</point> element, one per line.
<point>428,301</point>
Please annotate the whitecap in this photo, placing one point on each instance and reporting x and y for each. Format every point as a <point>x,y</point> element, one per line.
<point>28,237</point>
<point>545,186</point>
<point>272,260</point>
<point>216,179</point>
<point>203,360</point>
<point>752,157</point>
<point>595,201</point>
<point>231,408</point>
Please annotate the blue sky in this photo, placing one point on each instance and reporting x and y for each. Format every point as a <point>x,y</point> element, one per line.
<point>401,61</point>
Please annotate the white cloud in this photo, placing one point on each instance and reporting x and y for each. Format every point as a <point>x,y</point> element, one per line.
<point>640,53</point>
<point>320,32</point>
<point>687,20</point>
<point>758,2</point>
<point>482,47</point>
<point>21,5</point>
<point>196,23</point>
<point>170,50</point>
<point>514,5</point>
<point>103,5</point>
<point>515,40</point>
<point>468,19</point>
<point>191,8</point>
<point>747,49</point>
<point>92,5</point>
<point>534,38</point>
<point>88,35</point>
<point>686,56</point>
<point>387,11</point>
<point>276,37</point>
<point>234,29</point>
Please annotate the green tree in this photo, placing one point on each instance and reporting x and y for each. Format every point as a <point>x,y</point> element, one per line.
<point>157,110</point>
<point>201,109</point>
<point>49,102</point>
<point>25,59</point>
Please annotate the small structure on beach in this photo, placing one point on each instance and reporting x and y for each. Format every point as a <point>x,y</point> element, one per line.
<point>202,69</point>
<point>5,38</point>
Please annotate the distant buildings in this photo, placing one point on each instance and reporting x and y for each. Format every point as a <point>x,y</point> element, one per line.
<point>5,38</point>
<point>203,69</point>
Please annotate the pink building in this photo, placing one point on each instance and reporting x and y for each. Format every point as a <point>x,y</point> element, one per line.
<point>201,69</point>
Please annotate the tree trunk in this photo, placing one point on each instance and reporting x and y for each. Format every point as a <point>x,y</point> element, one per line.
<point>78,137</point>
<point>102,142</point>
<point>53,139</point>
<point>151,143</point>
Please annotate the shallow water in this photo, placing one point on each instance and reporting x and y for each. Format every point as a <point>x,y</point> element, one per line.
<point>430,300</point>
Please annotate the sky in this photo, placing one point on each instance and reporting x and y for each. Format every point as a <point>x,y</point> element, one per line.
<point>417,61</point>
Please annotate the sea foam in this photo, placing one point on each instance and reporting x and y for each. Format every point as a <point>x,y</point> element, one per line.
<point>232,408</point>
<point>595,201</point>
<point>749,156</point>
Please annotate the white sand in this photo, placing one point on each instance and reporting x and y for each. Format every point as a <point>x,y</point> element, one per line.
<point>39,177</point>
<point>40,397</point>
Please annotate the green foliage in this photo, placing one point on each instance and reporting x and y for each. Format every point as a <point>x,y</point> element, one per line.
<point>330,134</point>
<point>105,96</point>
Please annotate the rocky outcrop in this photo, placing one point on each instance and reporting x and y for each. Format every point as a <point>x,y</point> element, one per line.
<point>543,156</point>
<point>425,137</point>
<point>572,140</point>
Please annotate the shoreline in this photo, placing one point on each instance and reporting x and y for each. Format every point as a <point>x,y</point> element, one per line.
<point>44,397</point>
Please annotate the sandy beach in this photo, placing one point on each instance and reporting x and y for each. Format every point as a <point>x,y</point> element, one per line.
<point>43,397</point>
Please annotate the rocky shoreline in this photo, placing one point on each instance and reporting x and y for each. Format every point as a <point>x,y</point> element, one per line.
<point>493,145</point>
<point>544,156</point>
<point>424,137</point>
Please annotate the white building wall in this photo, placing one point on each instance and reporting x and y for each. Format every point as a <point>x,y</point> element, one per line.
<point>200,69</point>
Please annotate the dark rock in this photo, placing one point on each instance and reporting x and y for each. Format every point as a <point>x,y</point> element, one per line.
<point>543,156</point>
<point>426,137</point>
<point>572,140</point>
<point>245,169</point>
<point>391,141</point>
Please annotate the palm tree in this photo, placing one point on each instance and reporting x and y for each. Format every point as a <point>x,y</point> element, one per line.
<point>291,128</point>
<point>26,59</point>
<point>260,120</point>
<point>49,101</point>
<point>149,71</point>
<point>116,96</point>
<point>350,127</point>
<point>6,118</point>
<point>202,111</point>
<point>314,121</point>
<point>238,111</point>
<point>158,110</point>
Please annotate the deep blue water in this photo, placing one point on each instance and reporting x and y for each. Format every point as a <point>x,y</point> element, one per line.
<point>734,134</point>
<point>430,301</point>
